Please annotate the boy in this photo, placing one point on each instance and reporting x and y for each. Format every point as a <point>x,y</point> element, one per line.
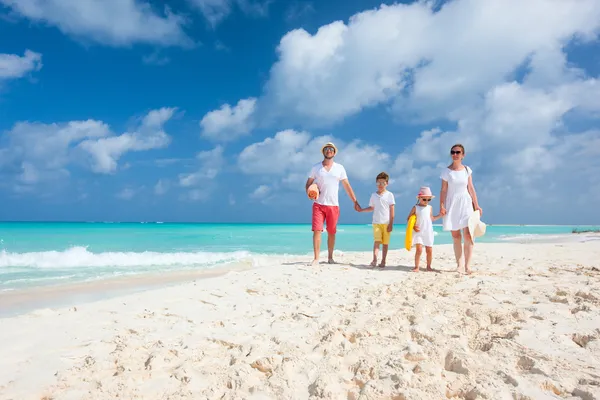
<point>382,204</point>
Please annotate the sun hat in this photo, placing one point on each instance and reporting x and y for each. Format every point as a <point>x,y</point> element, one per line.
<point>425,192</point>
<point>329,144</point>
<point>476,226</point>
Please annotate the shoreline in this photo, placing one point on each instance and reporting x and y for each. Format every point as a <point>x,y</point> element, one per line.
<point>525,325</point>
<point>22,300</point>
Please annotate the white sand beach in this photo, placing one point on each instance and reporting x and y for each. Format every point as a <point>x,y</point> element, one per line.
<point>525,325</point>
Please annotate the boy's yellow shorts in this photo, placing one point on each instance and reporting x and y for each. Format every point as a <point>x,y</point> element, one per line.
<point>380,233</point>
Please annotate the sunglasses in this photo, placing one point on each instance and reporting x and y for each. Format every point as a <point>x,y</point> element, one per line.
<point>425,199</point>
<point>381,183</point>
<point>328,149</point>
<point>455,152</point>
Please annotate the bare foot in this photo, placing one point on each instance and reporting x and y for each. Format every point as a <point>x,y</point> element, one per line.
<point>468,271</point>
<point>314,262</point>
<point>415,269</point>
<point>331,261</point>
<point>373,263</point>
<point>382,264</point>
<point>429,269</point>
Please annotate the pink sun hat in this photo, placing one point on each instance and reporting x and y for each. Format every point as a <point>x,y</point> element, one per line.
<point>425,192</point>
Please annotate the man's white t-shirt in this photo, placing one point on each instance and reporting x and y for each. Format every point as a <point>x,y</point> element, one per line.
<point>328,182</point>
<point>381,206</point>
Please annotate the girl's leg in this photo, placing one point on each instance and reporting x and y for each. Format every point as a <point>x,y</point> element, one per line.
<point>383,255</point>
<point>468,250</point>
<point>429,251</point>
<point>375,253</point>
<point>456,239</point>
<point>418,257</point>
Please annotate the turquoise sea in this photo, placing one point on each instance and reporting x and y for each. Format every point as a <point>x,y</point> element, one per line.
<point>41,253</point>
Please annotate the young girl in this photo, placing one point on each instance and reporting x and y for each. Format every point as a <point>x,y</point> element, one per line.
<point>423,235</point>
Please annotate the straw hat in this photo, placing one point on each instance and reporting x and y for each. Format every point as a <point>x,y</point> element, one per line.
<point>425,192</point>
<point>476,226</point>
<point>329,144</point>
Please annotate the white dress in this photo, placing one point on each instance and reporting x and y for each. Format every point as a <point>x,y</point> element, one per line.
<point>459,204</point>
<point>425,234</point>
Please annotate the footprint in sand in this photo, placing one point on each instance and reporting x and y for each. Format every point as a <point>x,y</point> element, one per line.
<point>582,340</point>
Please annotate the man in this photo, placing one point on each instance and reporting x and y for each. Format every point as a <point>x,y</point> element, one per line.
<point>327,175</point>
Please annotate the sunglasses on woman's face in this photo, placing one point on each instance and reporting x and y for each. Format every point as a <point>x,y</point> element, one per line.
<point>455,152</point>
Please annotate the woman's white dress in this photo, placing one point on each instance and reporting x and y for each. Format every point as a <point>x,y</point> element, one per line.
<point>425,234</point>
<point>459,204</point>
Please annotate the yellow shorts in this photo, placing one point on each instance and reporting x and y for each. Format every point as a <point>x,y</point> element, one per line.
<point>381,234</point>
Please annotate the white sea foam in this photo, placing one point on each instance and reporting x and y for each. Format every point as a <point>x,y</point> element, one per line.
<point>546,238</point>
<point>79,256</point>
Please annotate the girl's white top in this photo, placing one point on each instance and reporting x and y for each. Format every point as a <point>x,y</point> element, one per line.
<point>459,204</point>
<point>425,234</point>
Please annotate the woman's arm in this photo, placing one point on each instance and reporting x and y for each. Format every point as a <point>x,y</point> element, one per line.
<point>443,193</point>
<point>471,189</point>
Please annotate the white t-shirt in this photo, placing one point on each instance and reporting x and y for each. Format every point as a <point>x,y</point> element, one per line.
<point>381,206</point>
<point>328,182</point>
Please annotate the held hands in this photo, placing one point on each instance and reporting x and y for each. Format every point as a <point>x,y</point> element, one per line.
<point>357,206</point>
<point>442,210</point>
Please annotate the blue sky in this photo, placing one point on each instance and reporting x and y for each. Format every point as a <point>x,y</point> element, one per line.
<point>215,110</point>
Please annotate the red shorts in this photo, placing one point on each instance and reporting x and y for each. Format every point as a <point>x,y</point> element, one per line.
<point>327,214</point>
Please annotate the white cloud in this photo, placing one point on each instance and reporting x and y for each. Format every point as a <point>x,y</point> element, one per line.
<point>418,60</point>
<point>260,192</point>
<point>215,11</point>
<point>516,141</point>
<point>227,123</point>
<point>155,59</point>
<point>13,66</point>
<point>161,187</point>
<point>211,162</point>
<point>107,151</point>
<point>126,194</point>
<point>38,151</point>
<point>110,22</point>
<point>297,10</point>
<point>289,156</point>
<point>35,152</point>
<point>496,71</point>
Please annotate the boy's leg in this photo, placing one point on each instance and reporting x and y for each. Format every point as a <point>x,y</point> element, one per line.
<point>375,253</point>
<point>317,227</point>
<point>418,252</point>
<point>383,255</point>
<point>386,241</point>
<point>429,251</point>
<point>376,242</point>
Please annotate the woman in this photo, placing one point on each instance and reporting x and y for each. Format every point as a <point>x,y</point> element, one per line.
<point>457,201</point>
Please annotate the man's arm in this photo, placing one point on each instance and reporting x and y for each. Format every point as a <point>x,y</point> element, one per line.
<point>309,182</point>
<point>349,190</point>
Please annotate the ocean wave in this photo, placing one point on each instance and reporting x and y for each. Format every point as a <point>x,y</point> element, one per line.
<point>531,237</point>
<point>79,256</point>
<point>548,238</point>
